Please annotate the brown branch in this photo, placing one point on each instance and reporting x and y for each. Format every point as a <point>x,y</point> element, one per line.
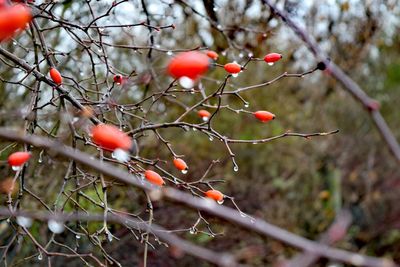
<point>221,259</point>
<point>348,84</point>
<point>209,206</point>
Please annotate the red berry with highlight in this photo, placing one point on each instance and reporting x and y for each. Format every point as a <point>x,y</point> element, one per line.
<point>272,57</point>
<point>215,195</point>
<point>181,165</point>
<point>18,158</point>
<point>13,18</point>
<point>118,79</point>
<point>213,55</point>
<point>188,64</point>
<point>233,68</point>
<point>110,137</point>
<point>154,177</point>
<point>264,116</point>
<point>204,114</point>
<point>55,76</point>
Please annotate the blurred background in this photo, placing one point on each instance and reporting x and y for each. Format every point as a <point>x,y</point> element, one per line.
<point>298,184</point>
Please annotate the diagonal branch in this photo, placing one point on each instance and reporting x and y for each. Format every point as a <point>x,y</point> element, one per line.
<point>348,84</point>
<point>228,214</point>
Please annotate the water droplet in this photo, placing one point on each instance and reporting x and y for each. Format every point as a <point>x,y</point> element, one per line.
<point>254,143</point>
<point>184,171</point>
<point>210,138</point>
<point>40,256</point>
<point>109,237</point>
<point>185,128</point>
<point>223,53</point>
<point>205,118</point>
<point>235,168</point>
<point>234,75</point>
<point>16,168</point>
<point>14,43</point>
<point>186,82</point>
<point>40,160</point>
<point>219,27</point>
<point>55,227</point>
<point>220,201</point>
<point>194,129</point>
<point>192,91</point>
<point>24,221</point>
<point>241,55</point>
<point>250,54</point>
<point>78,237</point>
<point>8,220</point>
<point>120,155</point>
<point>246,105</point>
<point>81,73</point>
<point>169,53</point>
<point>252,220</point>
<point>242,214</point>
<point>192,230</point>
<point>215,9</point>
<point>271,63</point>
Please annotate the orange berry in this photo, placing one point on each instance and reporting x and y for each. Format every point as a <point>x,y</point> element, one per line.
<point>55,76</point>
<point>154,177</point>
<point>188,64</point>
<point>211,54</point>
<point>18,158</point>
<point>264,116</point>
<point>110,137</point>
<point>272,57</point>
<point>214,194</point>
<point>180,164</point>
<point>204,114</point>
<point>233,68</point>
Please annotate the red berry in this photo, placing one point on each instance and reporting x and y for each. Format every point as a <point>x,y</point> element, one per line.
<point>188,64</point>
<point>211,54</point>
<point>55,76</point>
<point>204,114</point>
<point>233,68</point>
<point>272,57</point>
<point>154,177</point>
<point>214,194</point>
<point>110,137</point>
<point>264,116</point>
<point>180,164</point>
<point>12,19</point>
<point>18,158</point>
<point>118,79</point>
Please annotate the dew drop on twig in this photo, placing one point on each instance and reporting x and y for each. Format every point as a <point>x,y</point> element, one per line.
<point>16,168</point>
<point>24,221</point>
<point>55,227</point>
